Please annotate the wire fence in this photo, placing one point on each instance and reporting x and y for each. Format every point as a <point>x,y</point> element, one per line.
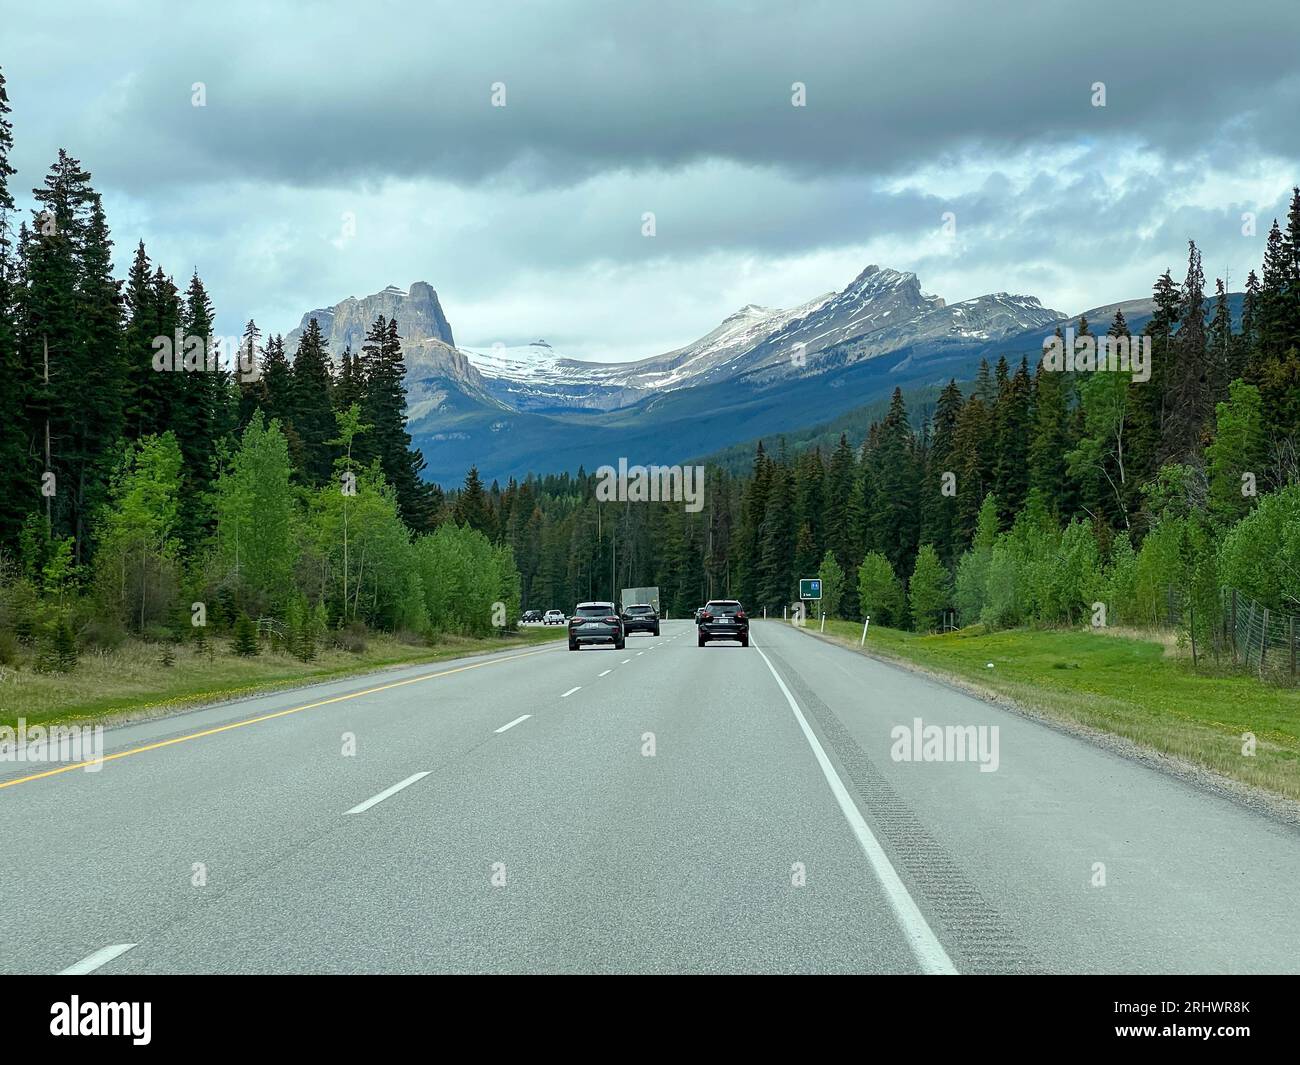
<point>1264,641</point>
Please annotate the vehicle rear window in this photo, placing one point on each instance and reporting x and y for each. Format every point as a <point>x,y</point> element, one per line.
<point>594,611</point>
<point>724,609</point>
<point>640,610</point>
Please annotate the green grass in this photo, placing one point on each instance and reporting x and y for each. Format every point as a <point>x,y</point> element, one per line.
<point>1131,685</point>
<point>132,678</point>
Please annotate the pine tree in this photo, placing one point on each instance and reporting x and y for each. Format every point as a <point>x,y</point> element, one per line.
<point>385,408</point>
<point>840,480</point>
<point>1012,440</point>
<point>748,533</point>
<point>18,483</point>
<point>896,518</point>
<point>312,414</point>
<point>1187,404</point>
<point>70,335</point>
<point>1222,349</point>
<point>245,642</point>
<point>472,507</point>
<point>203,391</point>
<point>275,386</point>
<point>1273,301</point>
<point>250,379</point>
<point>778,536</point>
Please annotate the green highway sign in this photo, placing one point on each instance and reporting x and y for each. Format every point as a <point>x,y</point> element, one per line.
<point>810,588</point>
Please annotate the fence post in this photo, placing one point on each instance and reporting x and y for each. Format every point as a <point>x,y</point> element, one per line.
<point>1290,639</point>
<point>1232,625</point>
<point>1191,628</point>
<point>1263,644</point>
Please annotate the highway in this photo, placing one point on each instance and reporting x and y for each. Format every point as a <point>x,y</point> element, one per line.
<point>662,809</point>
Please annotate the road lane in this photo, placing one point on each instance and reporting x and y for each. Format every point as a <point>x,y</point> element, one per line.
<point>1009,865</point>
<point>668,817</point>
<point>135,837</point>
<point>653,813</point>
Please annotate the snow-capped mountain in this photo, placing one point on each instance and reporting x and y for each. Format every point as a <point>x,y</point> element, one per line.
<point>882,310</point>
<point>514,410</point>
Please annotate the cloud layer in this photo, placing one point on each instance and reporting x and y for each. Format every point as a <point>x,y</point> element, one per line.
<point>527,218</point>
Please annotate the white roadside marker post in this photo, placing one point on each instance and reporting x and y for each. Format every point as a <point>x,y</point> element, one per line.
<point>823,621</point>
<point>863,641</point>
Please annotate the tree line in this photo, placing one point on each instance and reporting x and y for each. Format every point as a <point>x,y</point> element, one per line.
<point>136,496</point>
<point>156,482</point>
<point>1028,495</point>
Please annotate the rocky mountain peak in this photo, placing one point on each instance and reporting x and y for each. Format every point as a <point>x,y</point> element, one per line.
<point>419,318</point>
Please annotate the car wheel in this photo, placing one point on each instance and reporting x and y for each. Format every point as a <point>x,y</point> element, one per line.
<point>656,630</point>
<point>572,646</point>
<point>702,641</point>
<point>744,641</point>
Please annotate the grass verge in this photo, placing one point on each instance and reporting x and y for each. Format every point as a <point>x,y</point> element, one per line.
<point>132,681</point>
<point>1135,687</point>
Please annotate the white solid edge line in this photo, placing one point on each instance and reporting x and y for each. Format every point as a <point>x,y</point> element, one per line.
<point>571,691</point>
<point>920,936</point>
<point>361,808</point>
<point>521,717</point>
<point>100,958</point>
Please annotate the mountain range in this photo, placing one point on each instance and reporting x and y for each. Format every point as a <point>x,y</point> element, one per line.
<point>515,410</point>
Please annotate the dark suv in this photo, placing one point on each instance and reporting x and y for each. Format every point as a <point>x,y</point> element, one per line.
<point>723,619</point>
<point>595,623</point>
<point>641,617</point>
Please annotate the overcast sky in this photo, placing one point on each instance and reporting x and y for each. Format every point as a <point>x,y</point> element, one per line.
<point>527,218</point>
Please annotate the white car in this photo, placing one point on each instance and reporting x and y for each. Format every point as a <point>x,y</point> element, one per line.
<point>555,617</point>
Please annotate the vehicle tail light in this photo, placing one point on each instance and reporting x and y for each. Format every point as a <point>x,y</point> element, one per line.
<point>706,616</point>
<point>575,622</point>
<point>612,619</point>
<point>740,615</point>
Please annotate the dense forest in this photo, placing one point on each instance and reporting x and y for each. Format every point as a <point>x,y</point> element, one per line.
<point>1029,496</point>
<point>159,483</point>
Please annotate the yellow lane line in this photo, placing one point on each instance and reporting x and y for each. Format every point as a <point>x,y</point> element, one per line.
<point>264,717</point>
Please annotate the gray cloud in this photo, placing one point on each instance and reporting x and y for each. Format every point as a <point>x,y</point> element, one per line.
<point>527,218</point>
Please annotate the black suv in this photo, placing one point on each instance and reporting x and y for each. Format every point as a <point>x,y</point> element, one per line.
<point>723,619</point>
<point>641,617</point>
<point>595,623</point>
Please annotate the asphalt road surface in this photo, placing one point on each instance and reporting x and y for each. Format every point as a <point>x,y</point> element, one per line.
<point>666,808</point>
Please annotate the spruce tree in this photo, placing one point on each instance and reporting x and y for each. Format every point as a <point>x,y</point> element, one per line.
<point>1012,440</point>
<point>312,414</point>
<point>18,481</point>
<point>385,408</point>
<point>1187,403</point>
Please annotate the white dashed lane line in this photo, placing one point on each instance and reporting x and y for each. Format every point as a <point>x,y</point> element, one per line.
<point>606,673</point>
<point>361,808</point>
<point>100,958</point>
<point>512,724</point>
<point>571,691</point>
